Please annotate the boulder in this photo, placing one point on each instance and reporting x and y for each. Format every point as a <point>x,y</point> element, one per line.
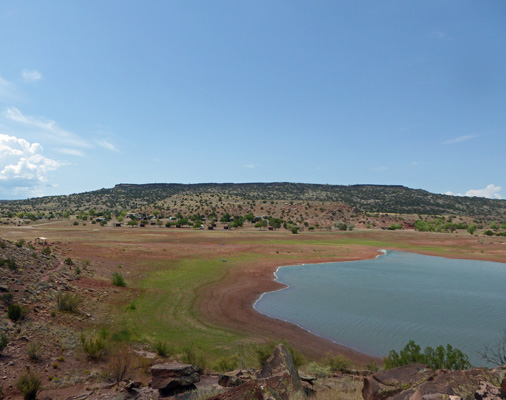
<point>236,377</point>
<point>173,378</point>
<point>418,382</point>
<point>278,380</point>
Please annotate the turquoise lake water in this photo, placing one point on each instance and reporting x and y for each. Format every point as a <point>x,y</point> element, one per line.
<point>378,305</point>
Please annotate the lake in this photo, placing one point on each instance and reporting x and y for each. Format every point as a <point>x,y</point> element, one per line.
<point>377,305</point>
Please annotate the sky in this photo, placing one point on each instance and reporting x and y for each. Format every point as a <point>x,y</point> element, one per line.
<point>95,93</point>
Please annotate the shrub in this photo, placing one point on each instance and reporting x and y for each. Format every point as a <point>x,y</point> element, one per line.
<point>68,302</point>
<point>15,312</point>
<point>29,385</point>
<point>7,298</point>
<point>161,349</point>
<point>3,245</point>
<point>319,370</point>
<point>119,365</point>
<point>338,363</point>
<point>68,261</point>
<point>226,364</point>
<point>93,347</point>
<point>34,351</point>
<point>190,357</point>
<point>3,341</point>
<point>118,279</point>
<point>20,243</point>
<point>439,358</point>
<point>46,251</point>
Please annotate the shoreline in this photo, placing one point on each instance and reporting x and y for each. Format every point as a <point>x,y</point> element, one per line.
<point>231,303</point>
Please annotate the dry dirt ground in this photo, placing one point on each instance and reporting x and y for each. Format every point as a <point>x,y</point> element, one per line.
<point>228,302</point>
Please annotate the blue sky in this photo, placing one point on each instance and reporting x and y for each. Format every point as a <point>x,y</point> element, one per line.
<point>96,93</point>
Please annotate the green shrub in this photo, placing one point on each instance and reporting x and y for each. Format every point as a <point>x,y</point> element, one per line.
<point>46,251</point>
<point>68,261</point>
<point>3,341</point>
<point>7,298</point>
<point>162,349</point>
<point>20,243</point>
<point>226,364</point>
<point>119,365</point>
<point>29,385</point>
<point>338,363</point>
<point>439,358</point>
<point>68,302</point>
<point>93,347</point>
<point>118,279</point>
<point>319,370</point>
<point>15,312</point>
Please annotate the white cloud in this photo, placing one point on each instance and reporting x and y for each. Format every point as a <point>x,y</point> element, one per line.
<point>31,75</point>
<point>23,168</point>
<point>71,152</point>
<point>490,192</point>
<point>250,166</point>
<point>106,145</point>
<point>460,139</point>
<point>7,90</point>
<point>48,127</point>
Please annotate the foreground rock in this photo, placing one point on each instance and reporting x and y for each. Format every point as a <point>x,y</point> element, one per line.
<point>173,378</point>
<point>278,380</point>
<point>418,382</point>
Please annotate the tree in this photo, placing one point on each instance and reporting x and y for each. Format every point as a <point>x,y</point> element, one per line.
<point>132,223</point>
<point>471,228</point>
<point>496,353</point>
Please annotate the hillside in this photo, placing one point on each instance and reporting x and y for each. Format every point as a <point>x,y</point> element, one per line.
<point>362,198</point>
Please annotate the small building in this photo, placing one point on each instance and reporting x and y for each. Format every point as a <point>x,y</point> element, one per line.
<point>225,227</point>
<point>210,228</point>
<point>41,240</point>
<point>118,225</point>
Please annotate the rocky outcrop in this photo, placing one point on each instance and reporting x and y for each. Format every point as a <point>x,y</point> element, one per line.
<point>278,380</point>
<point>418,382</point>
<point>173,378</point>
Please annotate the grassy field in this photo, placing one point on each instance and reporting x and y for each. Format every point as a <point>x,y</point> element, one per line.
<point>169,271</point>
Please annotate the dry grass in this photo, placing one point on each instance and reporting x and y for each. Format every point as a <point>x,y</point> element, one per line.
<point>345,389</point>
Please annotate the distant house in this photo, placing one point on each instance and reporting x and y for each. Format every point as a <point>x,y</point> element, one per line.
<point>225,227</point>
<point>210,228</point>
<point>118,225</point>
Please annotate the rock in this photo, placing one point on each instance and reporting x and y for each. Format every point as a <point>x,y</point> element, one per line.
<point>173,378</point>
<point>278,380</point>
<point>418,382</point>
<point>488,392</point>
<point>4,288</point>
<point>503,384</point>
<point>236,378</point>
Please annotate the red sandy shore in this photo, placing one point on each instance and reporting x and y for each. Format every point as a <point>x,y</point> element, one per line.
<point>230,302</point>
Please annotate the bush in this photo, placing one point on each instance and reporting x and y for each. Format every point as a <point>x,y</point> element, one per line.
<point>7,298</point>
<point>338,363</point>
<point>68,261</point>
<point>119,365</point>
<point>439,358</point>
<point>3,341</point>
<point>93,347</point>
<point>15,312</point>
<point>34,351</point>
<point>68,302</point>
<point>226,364</point>
<point>162,349</point>
<point>118,279</point>
<point>29,385</point>
<point>46,251</point>
<point>190,357</point>
<point>20,243</point>
<point>319,370</point>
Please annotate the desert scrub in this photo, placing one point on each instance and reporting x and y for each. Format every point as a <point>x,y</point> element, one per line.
<point>190,356</point>
<point>119,365</point>
<point>319,370</point>
<point>118,279</point>
<point>94,348</point>
<point>34,351</point>
<point>226,364</point>
<point>162,349</point>
<point>338,363</point>
<point>29,384</point>
<point>16,312</point>
<point>68,302</point>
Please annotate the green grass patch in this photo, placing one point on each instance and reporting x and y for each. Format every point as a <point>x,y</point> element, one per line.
<point>166,310</point>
